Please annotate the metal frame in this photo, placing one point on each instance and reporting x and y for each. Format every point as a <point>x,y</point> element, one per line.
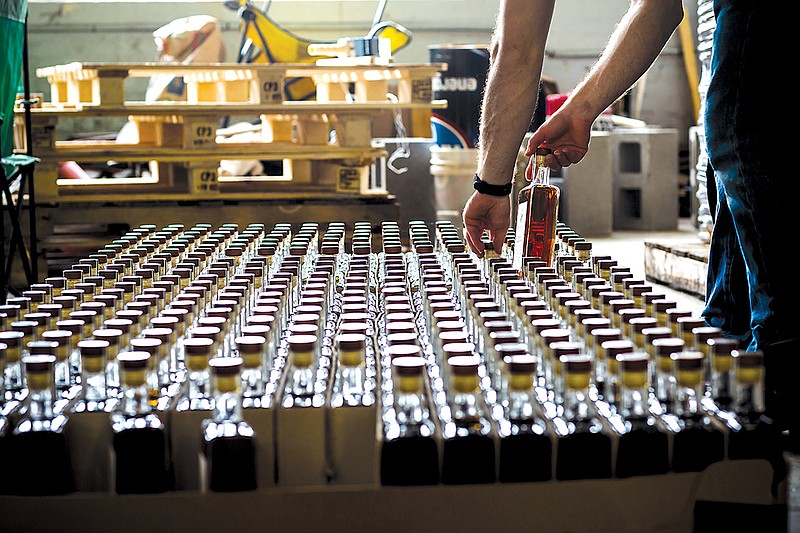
<point>23,174</point>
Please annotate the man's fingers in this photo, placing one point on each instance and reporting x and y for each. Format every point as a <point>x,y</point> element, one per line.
<point>473,242</point>
<point>498,239</point>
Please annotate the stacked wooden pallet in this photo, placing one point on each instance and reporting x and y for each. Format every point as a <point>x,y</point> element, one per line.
<point>323,147</point>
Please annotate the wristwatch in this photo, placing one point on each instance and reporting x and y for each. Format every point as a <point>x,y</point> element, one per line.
<point>493,190</point>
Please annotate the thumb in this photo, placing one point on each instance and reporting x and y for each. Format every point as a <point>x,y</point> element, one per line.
<point>536,140</point>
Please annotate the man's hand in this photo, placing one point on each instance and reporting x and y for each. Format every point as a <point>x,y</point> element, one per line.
<point>564,133</point>
<point>486,212</point>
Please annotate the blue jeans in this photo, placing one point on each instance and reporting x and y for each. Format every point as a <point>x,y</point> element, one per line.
<point>753,287</point>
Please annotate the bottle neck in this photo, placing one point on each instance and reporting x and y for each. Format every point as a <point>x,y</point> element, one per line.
<point>466,407</point>
<point>542,175</point>
<point>687,398</point>
<point>40,404</point>
<point>199,386</point>
<point>749,398</point>
<point>520,405</point>
<point>252,383</point>
<point>94,386</point>
<point>228,406</point>
<point>576,404</point>
<point>721,387</point>
<point>350,383</point>
<point>410,408</point>
<point>135,399</point>
<point>635,401</point>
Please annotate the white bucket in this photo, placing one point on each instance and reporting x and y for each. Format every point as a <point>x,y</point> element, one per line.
<point>452,170</point>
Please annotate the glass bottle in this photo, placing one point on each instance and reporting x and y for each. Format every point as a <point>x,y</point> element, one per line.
<point>584,452</point>
<point>643,449</point>
<point>252,349</point>
<point>663,348</point>
<point>468,450</point>
<point>158,378</point>
<point>537,215</point>
<point>350,386</point>
<point>301,380</point>
<point>759,437</point>
<point>197,390</point>
<point>13,374</point>
<point>114,338</point>
<point>63,371</point>
<point>41,464</point>
<point>409,452</point>
<point>525,440</point>
<point>94,379</point>
<point>140,441</point>
<point>229,442</point>
<point>699,442</point>
<point>611,392</point>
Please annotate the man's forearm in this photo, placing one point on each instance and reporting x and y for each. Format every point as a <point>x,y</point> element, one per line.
<point>512,86</point>
<point>632,48</point>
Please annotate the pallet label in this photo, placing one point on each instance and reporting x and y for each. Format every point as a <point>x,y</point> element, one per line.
<point>201,133</point>
<point>348,180</point>
<point>270,87</point>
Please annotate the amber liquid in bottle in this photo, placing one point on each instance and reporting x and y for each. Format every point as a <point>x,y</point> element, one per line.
<point>409,453</point>
<point>526,447</point>
<point>468,449</point>
<point>142,458</point>
<point>537,215</point>
<point>699,442</point>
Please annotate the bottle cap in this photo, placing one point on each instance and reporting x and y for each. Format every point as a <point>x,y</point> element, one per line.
<point>133,360</point>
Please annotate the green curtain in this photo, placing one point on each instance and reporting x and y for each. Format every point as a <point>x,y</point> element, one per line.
<point>12,36</point>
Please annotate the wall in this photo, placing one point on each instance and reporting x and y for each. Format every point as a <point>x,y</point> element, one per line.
<point>62,32</point>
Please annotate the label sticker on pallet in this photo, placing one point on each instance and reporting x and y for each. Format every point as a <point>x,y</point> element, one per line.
<point>348,180</point>
<point>270,87</point>
<point>201,134</point>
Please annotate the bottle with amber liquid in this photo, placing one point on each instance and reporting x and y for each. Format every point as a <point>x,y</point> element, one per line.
<point>525,439</point>
<point>140,440</point>
<point>643,449</point>
<point>41,463</point>
<point>700,441</point>
<point>537,215</point>
<point>585,451</point>
<point>229,442</point>
<point>759,437</point>
<point>409,452</point>
<point>468,454</point>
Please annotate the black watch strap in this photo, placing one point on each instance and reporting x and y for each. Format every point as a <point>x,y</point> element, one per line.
<point>492,190</point>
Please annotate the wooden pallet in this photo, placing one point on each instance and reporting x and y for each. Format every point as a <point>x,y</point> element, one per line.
<point>103,84</point>
<point>184,145</point>
<point>682,266</point>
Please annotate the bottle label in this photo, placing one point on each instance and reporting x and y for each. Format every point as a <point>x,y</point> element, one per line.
<point>519,236</point>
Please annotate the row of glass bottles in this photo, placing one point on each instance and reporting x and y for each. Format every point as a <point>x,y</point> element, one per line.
<point>186,343</point>
<point>499,314</point>
<point>465,309</point>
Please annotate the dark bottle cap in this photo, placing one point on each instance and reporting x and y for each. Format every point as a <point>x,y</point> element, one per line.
<point>226,366</point>
<point>134,360</point>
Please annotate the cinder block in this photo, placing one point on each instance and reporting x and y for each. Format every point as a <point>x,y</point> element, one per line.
<point>645,178</point>
<point>587,192</point>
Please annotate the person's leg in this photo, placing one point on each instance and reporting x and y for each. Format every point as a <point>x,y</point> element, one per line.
<point>762,205</point>
<point>727,304</point>
<point>759,190</point>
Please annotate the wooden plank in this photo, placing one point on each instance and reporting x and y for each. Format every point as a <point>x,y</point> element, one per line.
<point>103,84</point>
<point>88,70</point>
<point>681,266</point>
<point>101,151</point>
<point>276,191</point>
<point>226,108</point>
